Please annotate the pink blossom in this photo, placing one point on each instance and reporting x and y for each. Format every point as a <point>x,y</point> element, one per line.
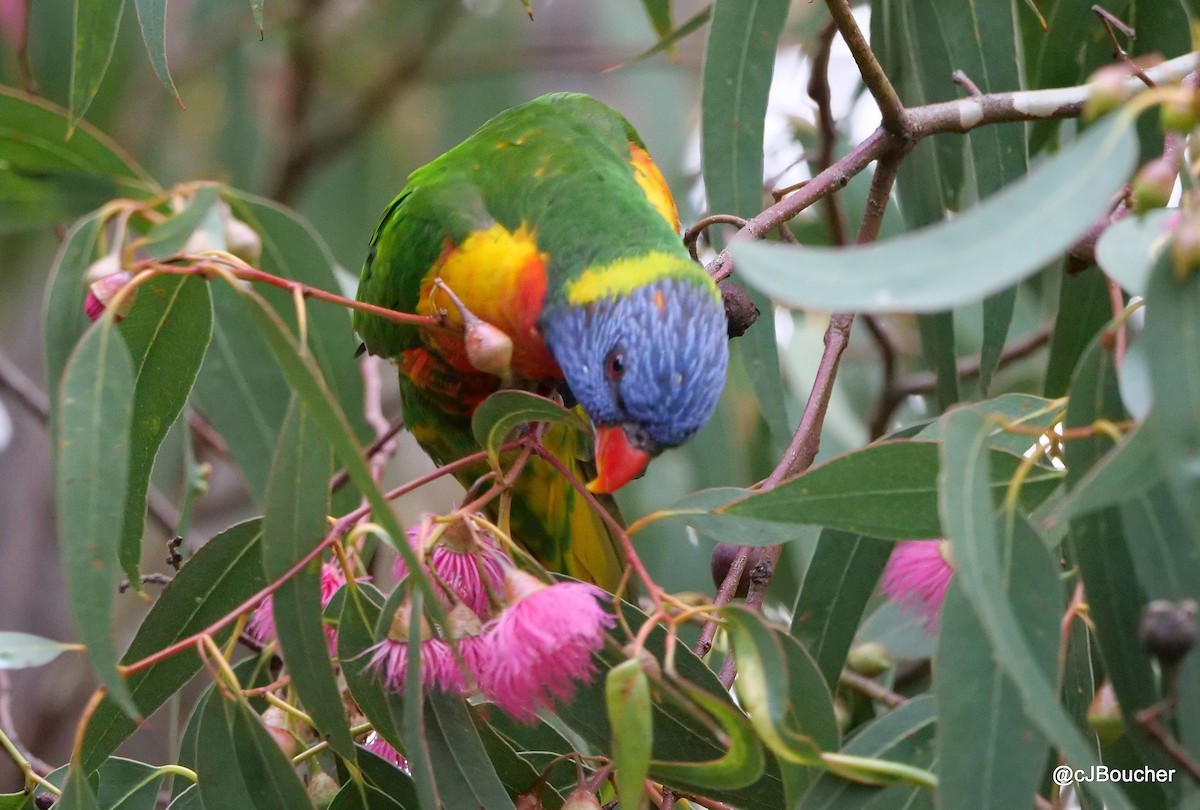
<point>261,626</point>
<point>470,572</point>
<point>917,576</point>
<point>104,290</point>
<point>542,644</point>
<point>383,749</point>
<point>439,670</point>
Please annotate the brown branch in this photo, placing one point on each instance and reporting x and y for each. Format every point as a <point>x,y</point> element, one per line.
<point>24,390</point>
<point>408,64</point>
<point>895,118</point>
<point>1110,22</point>
<point>692,235</point>
<point>1148,719</point>
<point>343,476</point>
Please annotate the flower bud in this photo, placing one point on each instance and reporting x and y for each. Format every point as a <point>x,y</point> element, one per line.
<point>1168,629</point>
<point>1104,714</point>
<point>869,659</point>
<point>102,267</point>
<point>841,714</point>
<point>530,800</point>
<point>1185,248</point>
<point>104,290</point>
<point>740,312</point>
<point>276,722</point>
<point>489,349</point>
<point>1108,88</point>
<point>1179,114</point>
<point>582,799</point>
<point>242,241</point>
<point>1153,184</point>
<point>322,789</point>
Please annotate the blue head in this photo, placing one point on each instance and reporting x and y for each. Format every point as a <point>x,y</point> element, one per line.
<point>647,366</point>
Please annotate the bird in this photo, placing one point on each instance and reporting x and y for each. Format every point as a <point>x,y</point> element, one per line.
<point>552,226</point>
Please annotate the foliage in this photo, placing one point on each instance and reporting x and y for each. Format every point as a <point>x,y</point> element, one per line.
<point>1047,428</point>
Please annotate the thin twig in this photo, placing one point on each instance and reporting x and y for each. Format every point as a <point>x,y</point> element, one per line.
<point>871,688</point>
<point>24,390</point>
<point>1148,719</point>
<point>1110,22</point>
<point>819,92</point>
<point>895,118</point>
<point>692,235</point>
<point>9,727</point>
<point>961,78</point>
<point>343,476</point>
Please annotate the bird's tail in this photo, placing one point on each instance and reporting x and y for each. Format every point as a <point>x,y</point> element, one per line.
<point>548,517</point>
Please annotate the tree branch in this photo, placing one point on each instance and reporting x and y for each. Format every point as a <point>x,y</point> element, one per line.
<point>23,389</point>
<point>895,119</point>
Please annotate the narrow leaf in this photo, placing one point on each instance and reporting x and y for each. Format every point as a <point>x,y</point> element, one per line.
<point>502,412</point>
<point>888,489</point>
<point>152,17</point>
<point>628,695</point>
<point>839,580</point>
<point>669,40</point>
<point>1040,217</point>
<point>458,755</point>
<point>739,61</point>
<point>167,334</point>
<point>659,12</point>
<point>90,474</point>
<point>21,650</point>
<point>968,512</point>
<point>1128,250</point>
<point>97,23</point>
<point>225,572</point>
<point>294,522</point>
<point>1083,308</point>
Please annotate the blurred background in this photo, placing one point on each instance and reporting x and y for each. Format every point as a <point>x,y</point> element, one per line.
<point>327,112</point>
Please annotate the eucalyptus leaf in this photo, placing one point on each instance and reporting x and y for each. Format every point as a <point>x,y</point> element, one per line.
<point>627,690</point>
<point>1128,250</point>
<point>91,468</point>
<point>152,17</point>
<point>990,247</point>
<point>22,650</point>
<point>502,412</point>
<point>96,25</point>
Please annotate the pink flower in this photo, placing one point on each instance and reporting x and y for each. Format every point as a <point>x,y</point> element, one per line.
<point>261,626</point>
<point>916,578</point>
<point>439,669</point>
<point>472,573</point>
<point>382,748</point>
<point>542,644</point>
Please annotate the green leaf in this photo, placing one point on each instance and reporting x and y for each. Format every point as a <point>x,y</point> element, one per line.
<point>981,37</point>
<point>659,12</point>
<point>888,489</point>
<point>1126,471</point>
<point>459,758</point>
<point>1021,410</point>
<point>21,650</point>
<point>1098,546</point>
<point>167,334</point>
<point>239,764</point>
<point>64,321</point>
<point>293,249</point>
<point>1128,250</point>
<point>16,801</point>
<point>358,610</point>
<point>1172,341</point>
<point>989,754</point>
<point>241,391</point>
<point>171,235</point>
<point>517,774</point>
<point>627,690</point>
<point>224,573</point>
<point>1002,240</point>
<point>77,793</point>
<point>687,743</point>
<point>1083,309</point>
<point>669,40</point>
<point>97,23</point>
<point>739,61</point>
<point>387,778</point>
<point>904,735</point>
<point>503,412</point>
<point>187,800</point>
<point>839,580</point>
<point>91,466</point>
<point>786,696</point>
<point>126,784</point>
<point>152,17</point>
<point>47,178</point>
<point>362,797</point>
<point>968,512</point>
<point>294,522</point>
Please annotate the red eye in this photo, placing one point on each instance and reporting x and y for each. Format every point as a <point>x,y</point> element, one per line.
<point>615,364</point>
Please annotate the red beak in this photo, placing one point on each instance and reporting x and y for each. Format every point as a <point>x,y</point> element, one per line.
<point>617,461</point>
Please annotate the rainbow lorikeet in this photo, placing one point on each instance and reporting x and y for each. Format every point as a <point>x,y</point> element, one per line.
<point>552,224</point>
